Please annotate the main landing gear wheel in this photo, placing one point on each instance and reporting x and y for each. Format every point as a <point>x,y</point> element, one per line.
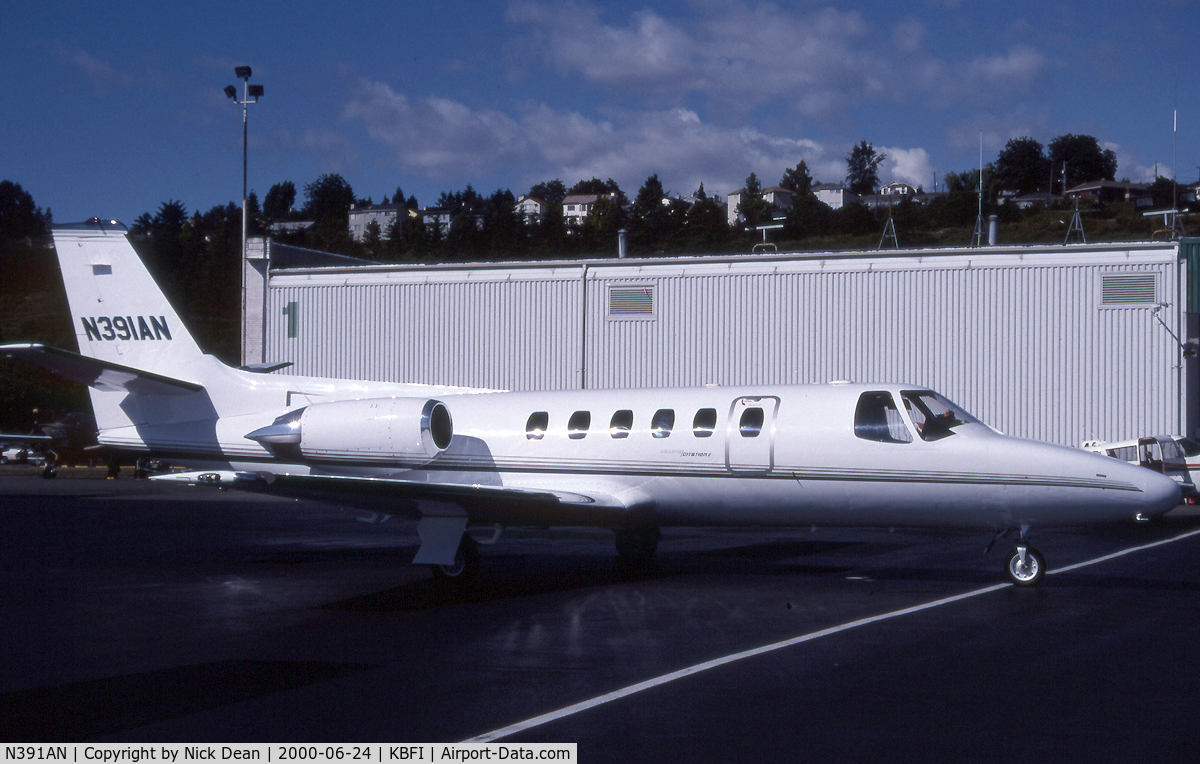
<point>1025,566</point>
<point>465,568</point>
<point>637,546</point>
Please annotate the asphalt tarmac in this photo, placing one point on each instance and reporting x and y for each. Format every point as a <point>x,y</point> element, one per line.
<point>136,611</point>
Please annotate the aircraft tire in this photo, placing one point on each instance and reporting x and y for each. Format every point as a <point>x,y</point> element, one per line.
<point>1029,574</point>
<point>465,568</point>
<point>637,545</point>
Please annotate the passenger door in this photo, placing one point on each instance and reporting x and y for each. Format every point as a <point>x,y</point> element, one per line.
<point>750,434</point>
<point>1150,454</point>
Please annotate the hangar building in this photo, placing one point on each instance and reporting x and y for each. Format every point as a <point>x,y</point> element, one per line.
<point>1062,343</point>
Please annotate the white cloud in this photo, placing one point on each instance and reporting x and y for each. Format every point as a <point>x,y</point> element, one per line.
<point>1129,166</point>
<point>735,53</point>
<point>334,152</point>
<point>98,72</point>
<point>821,61</point>
<point>911,166</point>
<point>444,140</point>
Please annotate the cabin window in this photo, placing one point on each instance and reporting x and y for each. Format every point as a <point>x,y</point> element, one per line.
<point>1124,453</point>
<point>662,423</point>
<point>934,416</point>
<point>751,423</point>
<point>704,423</point>
<point>578,424</point>
<point>878,419</point>
<point>1189,446</point>
<point>535,428</point>
<point>621,424</point>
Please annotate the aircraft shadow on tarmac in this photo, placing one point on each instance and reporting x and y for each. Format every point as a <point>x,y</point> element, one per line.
<point>523,575</point>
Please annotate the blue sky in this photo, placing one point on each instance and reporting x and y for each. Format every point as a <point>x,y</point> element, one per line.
<point>112,108</point>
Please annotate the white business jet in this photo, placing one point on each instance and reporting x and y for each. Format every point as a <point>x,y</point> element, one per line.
<point>882,455</point>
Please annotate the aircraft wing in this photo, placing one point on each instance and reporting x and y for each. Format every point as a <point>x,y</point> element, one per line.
<point>481,503</point>
<point>25,440</point>
<point>102,375</point>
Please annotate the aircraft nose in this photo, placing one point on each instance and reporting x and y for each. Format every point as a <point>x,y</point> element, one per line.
<point>1160,493</point>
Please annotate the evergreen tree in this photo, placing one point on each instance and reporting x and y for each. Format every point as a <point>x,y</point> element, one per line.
<point>862,169</point>
<point>552,192</point>
<point>753,209</point>
<point>328,201</point>
<point>277,204</point>
<point>650,216</point>
<point>19,217</point>
<point>797,180</point>
<point>706,227</point>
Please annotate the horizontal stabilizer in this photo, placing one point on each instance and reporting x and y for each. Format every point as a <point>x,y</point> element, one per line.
<point>265,368</point>
<point>13,439</point>
<point>102,375</point>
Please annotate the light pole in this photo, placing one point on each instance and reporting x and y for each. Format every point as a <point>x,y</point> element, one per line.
<point>248,91</point>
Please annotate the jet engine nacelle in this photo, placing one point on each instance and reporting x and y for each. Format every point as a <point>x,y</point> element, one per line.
<point>409,431</point>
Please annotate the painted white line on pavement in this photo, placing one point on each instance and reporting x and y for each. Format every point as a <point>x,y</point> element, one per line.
<point>634,689</point>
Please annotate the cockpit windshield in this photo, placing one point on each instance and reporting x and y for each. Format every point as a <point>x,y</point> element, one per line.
<point>934,416</point>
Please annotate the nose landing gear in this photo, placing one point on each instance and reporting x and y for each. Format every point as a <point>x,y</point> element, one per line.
<point>1025,566</point>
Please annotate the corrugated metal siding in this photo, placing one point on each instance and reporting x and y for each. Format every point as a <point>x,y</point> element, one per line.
<point>495,333</point>
<point>1026,348</point>
<point>1021,340</point>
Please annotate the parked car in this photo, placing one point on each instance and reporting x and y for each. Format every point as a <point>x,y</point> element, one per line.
<point>14,455</point>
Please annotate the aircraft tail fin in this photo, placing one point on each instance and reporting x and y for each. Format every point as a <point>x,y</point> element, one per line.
<point>120,314</point>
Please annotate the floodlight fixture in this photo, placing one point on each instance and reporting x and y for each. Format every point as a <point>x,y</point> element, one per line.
<point>231,92</point>
<point>241,72</point>
<point>255,91</point>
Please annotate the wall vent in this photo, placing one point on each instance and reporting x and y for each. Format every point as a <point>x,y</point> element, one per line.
<point>1123,290</point>
<point>631,301</point>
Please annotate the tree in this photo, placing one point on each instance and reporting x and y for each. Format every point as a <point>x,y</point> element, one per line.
<point>797,180</point>
<point>169,221</point>
<point>1163,192</point>
<point>277,204</point>
<point>253,212</point>
<point>967,180</point>
<point>807,217</point>
<point>373,237</point>
<point>19,218</point>
<point>753,209</point>
<point>467,200</point>
<point>650,217</point>
<point>327,204</point>
<point>1022,167</point>
<point>552,192</point>
<point>503,228</point>
<point>862,169</point>
<point>706,225</point>
<point>600,188</point>
<point>1084,159</point>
